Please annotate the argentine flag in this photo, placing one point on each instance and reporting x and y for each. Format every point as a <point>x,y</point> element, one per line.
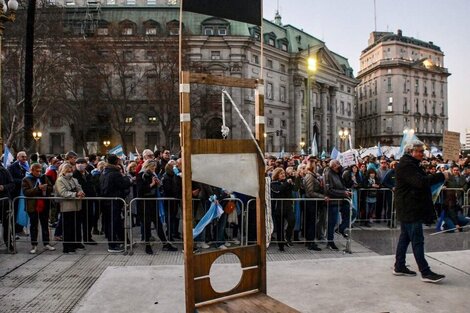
<point>7,157</point>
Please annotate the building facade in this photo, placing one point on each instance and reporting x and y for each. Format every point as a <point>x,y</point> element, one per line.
<point>403,84</point>
<point>298,104</point>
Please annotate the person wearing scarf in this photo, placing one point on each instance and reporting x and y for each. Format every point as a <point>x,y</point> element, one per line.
<point>36,185</point>
<point>68,187</point>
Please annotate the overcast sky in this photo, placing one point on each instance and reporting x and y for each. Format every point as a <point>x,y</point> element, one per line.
<point>345,25</point>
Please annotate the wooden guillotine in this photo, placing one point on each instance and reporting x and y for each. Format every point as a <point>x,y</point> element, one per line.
<point>250,293</point>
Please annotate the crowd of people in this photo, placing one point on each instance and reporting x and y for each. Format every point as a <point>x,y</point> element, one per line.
<point>360,193</point>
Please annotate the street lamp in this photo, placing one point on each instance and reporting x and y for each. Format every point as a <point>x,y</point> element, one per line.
<point>311,69</point>
<point>7,14</point>
<point>106,143</point>
<point>343,134</point>
<point>37,135</point>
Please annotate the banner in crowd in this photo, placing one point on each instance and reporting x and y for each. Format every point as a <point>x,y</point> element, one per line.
<point>117,151</point>
<point>214,212</point>
<point>348,158</point>
<point>451,145</point>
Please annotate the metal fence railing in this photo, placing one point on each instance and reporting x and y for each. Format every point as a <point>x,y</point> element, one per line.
<point>375,205</point>
<point>316,220</point>
<point>7,233</point>
<point>90,215</point>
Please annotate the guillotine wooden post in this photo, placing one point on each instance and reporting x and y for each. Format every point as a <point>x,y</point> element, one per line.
<point>251,290</point>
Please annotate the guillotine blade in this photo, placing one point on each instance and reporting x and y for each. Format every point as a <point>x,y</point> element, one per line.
<point>234,172</point>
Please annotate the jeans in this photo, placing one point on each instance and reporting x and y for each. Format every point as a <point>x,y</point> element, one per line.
<point>334,209</point>
<point>411,232</point>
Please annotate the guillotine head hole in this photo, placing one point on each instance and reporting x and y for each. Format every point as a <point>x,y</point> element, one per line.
<point>225,273</point>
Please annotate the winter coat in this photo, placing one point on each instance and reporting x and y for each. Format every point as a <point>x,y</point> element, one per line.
<point>31,189</point>
<point>334,185</point>
<point>68,188</point>
<point>413,198</point>
<point>281,190</point>
<point>18,173</point>
<point>7,182</point>
<point>312,186</point>
<point>113,183</point>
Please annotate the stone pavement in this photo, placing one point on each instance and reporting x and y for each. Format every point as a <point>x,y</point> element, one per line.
<point>326,285</point>
<point>53,282</point>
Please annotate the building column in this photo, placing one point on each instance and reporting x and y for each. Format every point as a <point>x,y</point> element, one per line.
<point>324,123</point>
<point>334,122</point>
<point>297,114</point>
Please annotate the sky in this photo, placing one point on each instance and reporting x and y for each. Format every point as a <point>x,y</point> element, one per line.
<point>345,26</point>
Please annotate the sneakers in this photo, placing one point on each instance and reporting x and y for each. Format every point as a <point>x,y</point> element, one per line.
<point>169,247</point>
<point>332,246</point>
<point>72,251</point>
<point>115,250</point>
<point>236,242</point>
<point>79,246</point>
<point>432,277</point>
<point>203,245</point>
<point>34,250</point>
<point>289,243</point>
<point>227,244</point>
<point>403,272</point>
<point>222,247</point>
<point>49,247</point>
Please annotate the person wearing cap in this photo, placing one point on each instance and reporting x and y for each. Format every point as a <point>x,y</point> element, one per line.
<point>85,180</point>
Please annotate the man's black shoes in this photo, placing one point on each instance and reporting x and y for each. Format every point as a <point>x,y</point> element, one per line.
<point>432,277</point>
<point>332,246</point>
<point>403,272</point>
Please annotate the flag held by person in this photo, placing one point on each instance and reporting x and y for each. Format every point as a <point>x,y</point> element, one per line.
<point>7,157</point>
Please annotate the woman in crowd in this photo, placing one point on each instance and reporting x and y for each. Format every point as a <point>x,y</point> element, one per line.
<point>68,187</point>
<point>147,183</point>
<point>281,188</point>
<point>37,185</point>
<point>313,190</point>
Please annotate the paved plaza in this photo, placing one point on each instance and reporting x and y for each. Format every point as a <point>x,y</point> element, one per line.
<point>95,281</point>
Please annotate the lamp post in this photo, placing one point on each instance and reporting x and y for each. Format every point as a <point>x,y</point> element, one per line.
<point>37,135</point>
<point>311,69</point>
<point>343,134</point>
<point>7,14</point>
<point>106,143</point>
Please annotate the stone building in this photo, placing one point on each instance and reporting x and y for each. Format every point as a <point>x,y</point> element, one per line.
<point>229,48</point>
<point>403,85</point>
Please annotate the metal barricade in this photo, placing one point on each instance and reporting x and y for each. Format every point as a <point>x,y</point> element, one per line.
<point>376,205</point>
<point>453,199</point>
<point>158,211</point>
<point>78,227</point>
<point>314,220</point>
<point>7,234</point>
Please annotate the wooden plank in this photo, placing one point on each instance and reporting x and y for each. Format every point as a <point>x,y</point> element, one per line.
<point>260,200</point>
<point>204,292</point>
<point>202,262</point>
<point>258,302</point>
<point>185,127</point>
<point>208,79</point>
<point>220,146</point>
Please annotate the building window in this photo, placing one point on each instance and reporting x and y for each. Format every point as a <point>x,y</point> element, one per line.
<point>151,28</point>
<point>215,55</point>
<point>69,2</point>
<point>271,42</point>
<point>110,2</point>
<point>283,123</point>
<point>417,86</point>
<point>130,141</point>
<point>349,89</point>
<point>152,139</point>
<point>130,2</point>
<point>150,54</point>
<point>152,120</point>
<point>349,109</point>
<point>284,47</point>
<point>222,31</point>
<point>342,107</point>
<point>404,85</point>
<point>389,84</point>
<point>270,122</point>
<point>269,64</point>
<point>102,31</point>
<point>57,143</point>
<point>255,59</point>
<point>151,2</point>
<point>129,120</point>
<point>283,68</point>
<point>442,90</point>
<point>405,105</point>
<point>208,31</point>
<point>282,92</point>
<point>269,91</point>
<point>425,88</point>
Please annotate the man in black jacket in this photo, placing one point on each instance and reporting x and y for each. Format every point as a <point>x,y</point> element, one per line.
<point>114,183</point>
<point>413,202</point>
<point>18,171</point>
<point>7,186</point>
